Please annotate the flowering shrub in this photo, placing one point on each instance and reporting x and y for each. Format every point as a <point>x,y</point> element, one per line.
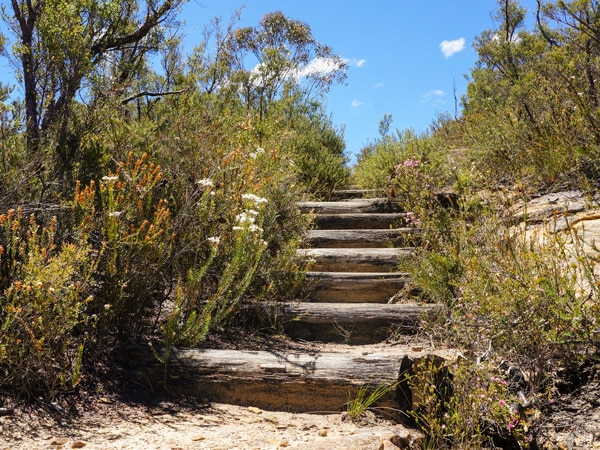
<point>131,230</point>
<point>408,167</point>
<point>44,306</point>
<point>472,410</point>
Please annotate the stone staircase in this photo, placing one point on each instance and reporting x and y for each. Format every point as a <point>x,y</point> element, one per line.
<point>340,324</point>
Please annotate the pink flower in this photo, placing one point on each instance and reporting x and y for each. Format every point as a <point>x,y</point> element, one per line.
<point>412,162</point>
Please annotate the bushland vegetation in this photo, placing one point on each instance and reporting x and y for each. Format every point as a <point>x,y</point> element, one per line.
<point>523,311</point>
<point>148,195</point>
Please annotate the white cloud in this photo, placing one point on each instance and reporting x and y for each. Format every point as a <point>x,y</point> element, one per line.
<point>379,85</point>
<point>356,62</point>
<point>435,96</point>
<point>515,39</point>
<point>357,103</point>
<point>319,66</point>
<point>449,48</point>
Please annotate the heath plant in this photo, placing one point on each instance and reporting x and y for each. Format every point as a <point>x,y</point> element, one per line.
<point>405,166</point>
<point>45,297</point>
<point>131,231</point>
<point>514,299</point>
<point>474,408</point>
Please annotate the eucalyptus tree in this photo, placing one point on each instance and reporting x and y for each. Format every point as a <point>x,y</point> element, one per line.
<point>285,56</point>
<point>61,44</point>
<point>575,51</point>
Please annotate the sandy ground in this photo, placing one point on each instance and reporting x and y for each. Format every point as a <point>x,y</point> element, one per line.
<point>108,425</point>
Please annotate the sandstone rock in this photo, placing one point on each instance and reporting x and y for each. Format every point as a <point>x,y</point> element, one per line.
<point>254,409</point>
<point>59,441</point>
<point>387,445</point>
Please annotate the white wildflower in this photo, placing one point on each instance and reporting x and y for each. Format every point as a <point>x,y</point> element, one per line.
<point>237,228</point>
<point>110,179</point>
<point>255,228</point>
<point>205,182</point>
<point>244,217</point>
<point>115,214</point>
<point>254,198</point>
<point>214,240</point>
<point>259,151</point>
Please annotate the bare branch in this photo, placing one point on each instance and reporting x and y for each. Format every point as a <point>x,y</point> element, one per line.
<point>151,94</point>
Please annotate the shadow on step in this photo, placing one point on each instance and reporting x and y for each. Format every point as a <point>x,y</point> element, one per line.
<point>355,334</point>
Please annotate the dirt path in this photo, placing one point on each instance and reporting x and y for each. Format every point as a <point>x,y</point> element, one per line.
<point>113,425</point>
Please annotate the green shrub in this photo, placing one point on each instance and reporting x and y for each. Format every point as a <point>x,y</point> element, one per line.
<point>530,303</point>
<point>131,231</point>
<point>406,166</point>
<point>44,307</point>
<point>473,409</point>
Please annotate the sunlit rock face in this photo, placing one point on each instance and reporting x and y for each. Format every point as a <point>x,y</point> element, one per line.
<point>570,220</point>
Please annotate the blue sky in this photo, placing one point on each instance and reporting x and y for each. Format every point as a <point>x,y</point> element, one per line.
<point>405,57</point>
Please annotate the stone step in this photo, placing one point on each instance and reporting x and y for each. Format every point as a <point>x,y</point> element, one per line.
<point>353,287</point>
<point>355,259</point>
<point>284,380</point>
<point>373,238</point>
<point>359,221</point>
<point>361,205</point>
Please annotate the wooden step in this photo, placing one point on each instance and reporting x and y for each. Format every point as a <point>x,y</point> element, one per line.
<point>353,323</point>
<point>345,313</point>
<point>359,221</point>
<point>310,381</point>
<point>352,193</point>
<point>355,259</point>
<point>362,205</point>
<point>379,238</point>
<point>353,287</point>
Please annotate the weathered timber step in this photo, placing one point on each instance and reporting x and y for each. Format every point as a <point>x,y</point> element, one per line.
<point>353,323</point>
<point>378,238</point>
<point>355,259</point>
<point>345,313</point>
<point>353,287</point>
<point>279,379</point>
<point>362,205</point>
<point>348,194</point>
<point>359,221</point>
